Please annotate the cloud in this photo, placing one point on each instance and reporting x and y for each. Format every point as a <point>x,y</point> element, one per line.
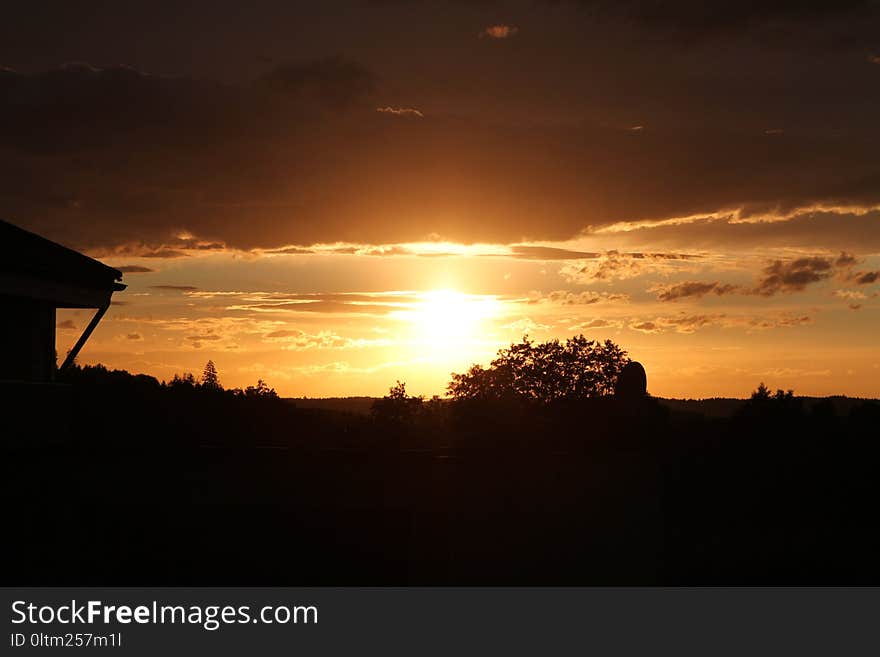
<point>850,294</point>
<point>175,288</point>
<point>846,228</point>
<point>790,372</point>
<point>135,337</point>
<point>587,297</point>
<point>782,321</point>
<point>66,325</point>
<point>135,269</point>
<point>525,325</point>
<point>338,303</point>
<point>549,253</point>
<point>390,250</point>
<point>297,340</point>
<point>596,323</point>
<point>290,160</point>
<point>864,277</point>
<point>196,341</point>
<point>613,265</point>
<point>793,275</point>
<point>845,260</point>
<point>690,323</point>
<point>645,327</point>
<point>401,111</point>
<point>609,267</point>
<point>692,289</point>
<point>500,31</point>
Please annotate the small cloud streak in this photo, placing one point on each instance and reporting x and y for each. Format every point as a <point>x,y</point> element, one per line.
<point>597,323</point>
<point>864,277</point>
<point>527,252</point>
<point>500,31</point>
<point>645,327</point>
<point>690,323</point>
<point>566,298</point>
<point>66,325</point>
<point>401,111</point>
<point>693,289</point>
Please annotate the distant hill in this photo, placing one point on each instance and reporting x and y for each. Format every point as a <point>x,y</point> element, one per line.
<point>356,405</point>
<point>718,407</point>
<point>714,407</point>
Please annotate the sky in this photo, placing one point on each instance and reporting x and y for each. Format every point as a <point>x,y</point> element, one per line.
<point>334,196</point>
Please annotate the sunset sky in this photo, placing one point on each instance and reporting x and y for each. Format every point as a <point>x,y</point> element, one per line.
<point>337,195</point>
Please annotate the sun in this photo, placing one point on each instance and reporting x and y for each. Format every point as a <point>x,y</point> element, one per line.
<point>447,321</point>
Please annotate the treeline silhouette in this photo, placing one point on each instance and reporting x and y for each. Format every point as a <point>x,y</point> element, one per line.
<point>523,475</point>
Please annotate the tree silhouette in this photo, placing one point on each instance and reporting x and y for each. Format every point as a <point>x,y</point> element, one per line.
<point>185,380</point>
<point>397,406</point>
<point>210,379</point>
<point>544,371</point>
<point>762,394</point>
<point>261,391</point>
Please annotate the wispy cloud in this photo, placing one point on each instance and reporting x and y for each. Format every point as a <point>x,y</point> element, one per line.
<point>298,340</point>
<point>597,323</point>
<point>587,297</point>
<point>401,111</point>
<point>690,323</point>
<point>549,253</point>
<point>613,265</point>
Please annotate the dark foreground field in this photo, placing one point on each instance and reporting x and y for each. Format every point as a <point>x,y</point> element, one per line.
<point>150,485</point>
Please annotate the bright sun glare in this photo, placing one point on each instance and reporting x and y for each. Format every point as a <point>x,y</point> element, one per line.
<point>450,321</point>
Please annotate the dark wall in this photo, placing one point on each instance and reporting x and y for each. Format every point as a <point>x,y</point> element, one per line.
<point>27,340</point>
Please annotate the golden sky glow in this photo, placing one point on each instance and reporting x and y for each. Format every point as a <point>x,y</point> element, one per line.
<point>333,196</point>
<point>260,315</point>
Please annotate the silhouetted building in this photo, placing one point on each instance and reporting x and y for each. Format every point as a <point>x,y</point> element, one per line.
<point>632,383</point>
<point>38,276</point>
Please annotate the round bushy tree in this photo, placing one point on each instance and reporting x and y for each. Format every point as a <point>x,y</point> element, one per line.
<point>544,371</point>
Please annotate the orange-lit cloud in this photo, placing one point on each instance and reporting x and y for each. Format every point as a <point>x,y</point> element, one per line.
<point>500,31</point>
<point>690,323</point>
<point>400,111</point>
<point>692,289</point>
<point>587,297</point>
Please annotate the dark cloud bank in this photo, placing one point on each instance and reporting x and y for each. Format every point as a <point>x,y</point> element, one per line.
<point>144,164</point>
